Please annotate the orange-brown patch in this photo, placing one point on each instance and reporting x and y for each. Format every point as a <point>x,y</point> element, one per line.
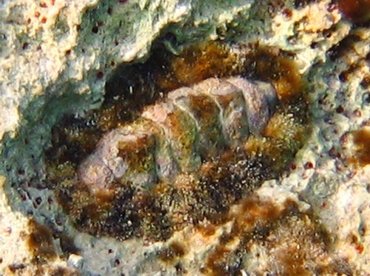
<point>361,139</point>
<point>215,264</point>
<point>357,11</point>
<point>294,243</point>
<point>273,65</point>
<point>174,251</point>
<point>206,229</point>
<point>357,244</point>
<point>198,63</point>
<point>365,83</point>
<point>250,218</point>
<point>40,242</point>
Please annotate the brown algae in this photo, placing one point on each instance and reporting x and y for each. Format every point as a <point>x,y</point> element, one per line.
<point>293,243</point>
<point>361,139</point>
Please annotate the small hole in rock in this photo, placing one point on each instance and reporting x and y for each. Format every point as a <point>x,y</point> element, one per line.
<point>95,29</point>
<point>366,98</point>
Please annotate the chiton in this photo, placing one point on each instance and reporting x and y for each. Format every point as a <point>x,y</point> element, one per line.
<point>188,156</point>
<point>173,137</point>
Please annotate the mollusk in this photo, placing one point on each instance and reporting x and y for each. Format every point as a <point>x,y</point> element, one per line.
<point>171,137</point>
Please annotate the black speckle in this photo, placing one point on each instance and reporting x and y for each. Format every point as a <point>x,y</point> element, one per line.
<point>38,200</point>
<point>95,29</point>
<point>117,262</point>
<point>302,3</point>
<point>339,109</point>
<point>343,77</point>
<point>314,45</point>
<point>14,267</point>
<point>25,46</point>
<point>21,171</point>
<point>179,268</point>
<point>67,245</point>
<point>99,75</point>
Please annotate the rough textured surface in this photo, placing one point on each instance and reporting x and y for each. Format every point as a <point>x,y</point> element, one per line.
<point>56,57</point>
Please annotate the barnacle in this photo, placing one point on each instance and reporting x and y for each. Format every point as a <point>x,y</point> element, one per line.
<point>188,157</point>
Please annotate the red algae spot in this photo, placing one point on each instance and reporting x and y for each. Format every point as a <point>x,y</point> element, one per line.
<point>99,75</point>
<point>357,11</point>
<point>359,248</point>
<point>361,139</point>
<point>339,109</point>
<point>357,244</point>
<point>308,165</point>
<point>287,13</point>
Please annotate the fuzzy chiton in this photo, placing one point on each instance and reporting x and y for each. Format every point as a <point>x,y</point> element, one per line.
<point>227,122</point>
<point>192,125</point>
